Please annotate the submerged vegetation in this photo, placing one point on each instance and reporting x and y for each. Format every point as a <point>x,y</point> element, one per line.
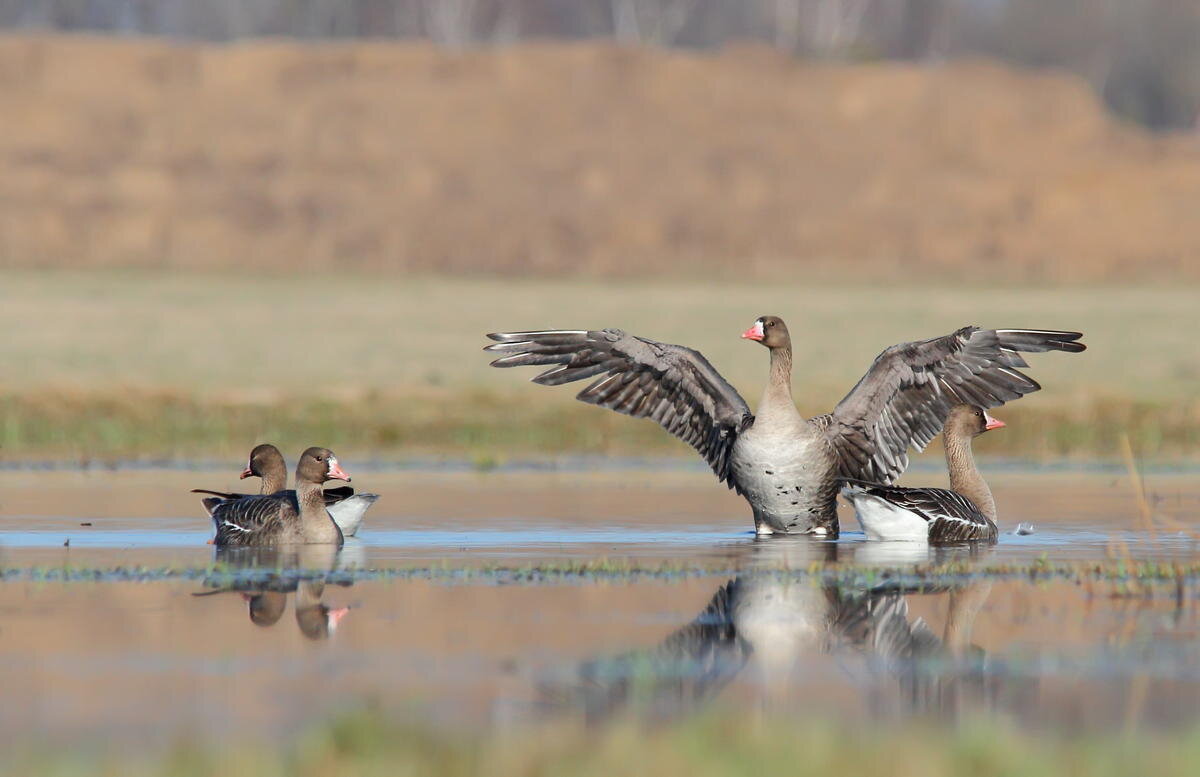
<point>1131,576</point>
<point>716,743</point>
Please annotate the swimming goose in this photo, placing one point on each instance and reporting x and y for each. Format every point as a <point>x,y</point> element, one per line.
<point>279,518</point>
<point>787,467</point>
<point>266,462</point>
<point>964,513</point>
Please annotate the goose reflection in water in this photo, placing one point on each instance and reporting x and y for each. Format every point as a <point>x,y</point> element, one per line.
<point>767,626</point>
<point>272,573</point>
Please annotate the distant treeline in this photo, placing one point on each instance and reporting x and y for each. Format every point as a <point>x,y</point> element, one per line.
<point>1143,56</point>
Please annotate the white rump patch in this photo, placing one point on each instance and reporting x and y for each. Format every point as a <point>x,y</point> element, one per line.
<point>882,520</point>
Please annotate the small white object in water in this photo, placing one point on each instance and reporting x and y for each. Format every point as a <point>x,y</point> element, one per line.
<point>1023,529</point>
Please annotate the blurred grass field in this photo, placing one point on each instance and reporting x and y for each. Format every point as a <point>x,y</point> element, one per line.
<point>711,744</point>
<point>145,365</point>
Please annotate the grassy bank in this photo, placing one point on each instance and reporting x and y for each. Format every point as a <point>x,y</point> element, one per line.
<point>489,428</point>
<point>151,365</point>
<point>369,744</point>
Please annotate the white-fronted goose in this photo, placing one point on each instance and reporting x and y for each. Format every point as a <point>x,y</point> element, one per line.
<point>279,518</point>
<point>787,467</point>
<point>964,513</point>
<point>266,462</point>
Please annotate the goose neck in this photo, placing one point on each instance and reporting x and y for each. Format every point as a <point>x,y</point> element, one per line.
<point>964,474</point>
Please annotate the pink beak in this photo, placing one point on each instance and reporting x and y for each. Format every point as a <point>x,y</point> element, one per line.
<point>992,423</point>
<point>335,616</point>
<point>336,472</point>
<point>246,473</point>
<point>754,333</point>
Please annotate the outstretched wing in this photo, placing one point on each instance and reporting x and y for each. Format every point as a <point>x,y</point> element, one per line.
<point>904,398</point>
<point>674,386</point>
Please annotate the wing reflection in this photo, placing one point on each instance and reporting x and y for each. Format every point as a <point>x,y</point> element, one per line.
<point>772,629</point>
<point>265,576</point>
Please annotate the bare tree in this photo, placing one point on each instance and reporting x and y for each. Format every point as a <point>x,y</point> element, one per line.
<point>650,22</point>
<point>820,27</point>
<point>450,23</point>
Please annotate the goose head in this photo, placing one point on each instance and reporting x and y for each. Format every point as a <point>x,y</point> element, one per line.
<point>263,459</point>
<point>318,465</point>
<point>970,421</point>
<point>769,331</point>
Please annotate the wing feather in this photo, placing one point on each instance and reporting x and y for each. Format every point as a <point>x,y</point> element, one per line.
<point>673,386</point>
<point>903,400</point>
<point>242,521</point>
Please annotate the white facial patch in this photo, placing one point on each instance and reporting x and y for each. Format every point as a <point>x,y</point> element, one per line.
<point>758,328</point>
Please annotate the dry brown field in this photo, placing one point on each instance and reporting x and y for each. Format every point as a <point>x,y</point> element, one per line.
<point>582,158</point>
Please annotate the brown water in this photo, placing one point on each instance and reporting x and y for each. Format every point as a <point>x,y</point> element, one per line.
<point>734,620</point>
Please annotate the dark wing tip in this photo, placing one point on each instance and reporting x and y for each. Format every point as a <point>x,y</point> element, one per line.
<point>1067,341</point>
<point>1035,340</point>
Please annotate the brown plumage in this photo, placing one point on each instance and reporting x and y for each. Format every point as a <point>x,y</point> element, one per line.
<point>787,467</point>
<point>965,512</point>
<point>279,518</point>
<point>266,462</point>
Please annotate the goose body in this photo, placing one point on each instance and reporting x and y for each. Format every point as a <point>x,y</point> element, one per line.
<point>964,513</point>
<point>935,515</point>
<point>348,512</point>
<point>279,518</point>
<point>787,467</point>
<point>782,474</point>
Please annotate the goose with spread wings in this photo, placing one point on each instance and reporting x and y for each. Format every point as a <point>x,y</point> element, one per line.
<point>788,467</point>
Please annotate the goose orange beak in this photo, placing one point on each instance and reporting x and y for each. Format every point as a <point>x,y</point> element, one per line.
<point>992,423</point>
<point>754,333</point>
<point>246,473</point>
<point>336,472</point>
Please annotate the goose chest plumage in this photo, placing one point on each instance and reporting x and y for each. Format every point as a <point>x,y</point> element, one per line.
<point>788,467</point>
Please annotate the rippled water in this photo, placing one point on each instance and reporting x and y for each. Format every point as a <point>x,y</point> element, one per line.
<point>671,606</point>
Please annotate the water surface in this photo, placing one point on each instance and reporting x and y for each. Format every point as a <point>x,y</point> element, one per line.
<point>769,626</point>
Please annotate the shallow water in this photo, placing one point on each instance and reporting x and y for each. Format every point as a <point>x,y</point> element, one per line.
<point>735,620</point>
